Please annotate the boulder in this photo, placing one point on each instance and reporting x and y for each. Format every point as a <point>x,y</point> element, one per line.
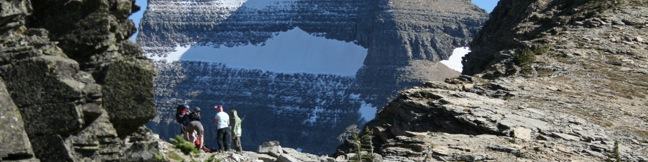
<point>78,85</point>
<point>271,148</point>
<point>521,133</point>
<point>15,143</point>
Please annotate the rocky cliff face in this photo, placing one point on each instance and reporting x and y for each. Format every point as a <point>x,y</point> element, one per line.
<point>401,43</point>
<point>73,88</point>
<point>552,81</point>
<point>306,111</point>
<point>403,38</point>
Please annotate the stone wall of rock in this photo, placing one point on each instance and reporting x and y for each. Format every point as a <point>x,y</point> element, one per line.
<point>81,88</point>
<point>551,81</point>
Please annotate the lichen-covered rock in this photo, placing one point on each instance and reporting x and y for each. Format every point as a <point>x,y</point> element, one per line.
<point>123,94</point>
<point>80,87</point>
<point>15,143</point>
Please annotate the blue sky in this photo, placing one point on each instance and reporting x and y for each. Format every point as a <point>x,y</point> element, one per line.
<point>487,5</point>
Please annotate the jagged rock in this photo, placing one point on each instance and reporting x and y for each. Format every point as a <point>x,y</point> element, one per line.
<point>271,148</point>
<point>15,143</point>
<point>287,158</point>
<point>65,64</point>
<point>266,158</point>
<point>566,101</point>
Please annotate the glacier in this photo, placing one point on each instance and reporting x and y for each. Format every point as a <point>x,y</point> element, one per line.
<point>313,55</point>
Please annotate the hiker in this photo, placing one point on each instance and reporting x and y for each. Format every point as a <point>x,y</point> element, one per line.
<point>195,129</point>
<point>221,120</point>
<point>182,117</point>
<point>236,130</point>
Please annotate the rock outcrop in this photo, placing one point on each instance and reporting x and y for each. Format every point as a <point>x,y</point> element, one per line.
<point>551,81</point>
<point>81,89</point>
<point>270,151</point>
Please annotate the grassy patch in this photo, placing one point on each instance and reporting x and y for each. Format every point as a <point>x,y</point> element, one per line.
<point>172,155</point>
<point>184,146</point>
<point>159,157</point>
<point>212,159</point>
<point>627,85</point>
<point>527,57</point>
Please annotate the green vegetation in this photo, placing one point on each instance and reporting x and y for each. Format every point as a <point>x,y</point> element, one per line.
<point>212,159</point>
<point>159,157</point>
<point>172,155</point>
<point>185,146</point>
<point>527,57</point>
<point>363,146</point>
<point>617,153</point>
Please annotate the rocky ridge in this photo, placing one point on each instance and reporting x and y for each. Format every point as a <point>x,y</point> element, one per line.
<point>73,88</point>
<point>551,81</point>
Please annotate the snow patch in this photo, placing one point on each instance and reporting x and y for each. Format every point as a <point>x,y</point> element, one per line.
<point>233,5</point>
<point>294,51</point>
<point>262,4</point>
<point>367,111</point>
<point>173,56</point>
<point>454,62</point>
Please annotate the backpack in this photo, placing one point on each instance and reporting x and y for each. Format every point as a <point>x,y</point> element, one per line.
<point>194,116</point>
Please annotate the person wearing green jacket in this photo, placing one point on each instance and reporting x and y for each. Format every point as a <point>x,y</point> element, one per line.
<point>237,131</point>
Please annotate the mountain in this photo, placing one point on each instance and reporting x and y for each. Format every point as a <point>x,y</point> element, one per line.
<point>546,80</point>
<point>303,70</point>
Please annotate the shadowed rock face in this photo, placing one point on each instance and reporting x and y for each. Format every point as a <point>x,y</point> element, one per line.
<point>404,40</point>
<point>80,87</point>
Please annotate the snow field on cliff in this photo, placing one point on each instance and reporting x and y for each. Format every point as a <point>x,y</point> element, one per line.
<point>454,62</point>
<point>294,51</point>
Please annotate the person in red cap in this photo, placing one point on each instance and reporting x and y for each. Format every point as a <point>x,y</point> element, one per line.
<point>182,117</point>
<point>223,135</point>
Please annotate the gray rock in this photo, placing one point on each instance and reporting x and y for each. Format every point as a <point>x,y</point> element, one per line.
<point>287,158</point>
<point>524,48</point>
<point>15,143</point>
<point>266,158</point>
<point>522,133</point>
<point>65,71</point>
<point>271,148</point>
<point>565,136</point>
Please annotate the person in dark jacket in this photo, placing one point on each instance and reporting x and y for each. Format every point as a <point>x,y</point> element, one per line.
<point>195,129</point>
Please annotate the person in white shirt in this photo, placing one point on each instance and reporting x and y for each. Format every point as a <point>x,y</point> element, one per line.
<point>223,135</point>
